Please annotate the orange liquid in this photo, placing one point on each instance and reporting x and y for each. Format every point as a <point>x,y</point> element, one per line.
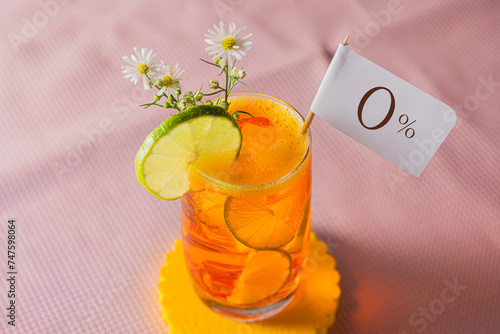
<point>274,165</point>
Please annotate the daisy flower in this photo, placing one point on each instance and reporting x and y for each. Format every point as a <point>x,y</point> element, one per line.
<point>144,65</point>
<point>168,79</point>
<point>227,45</point>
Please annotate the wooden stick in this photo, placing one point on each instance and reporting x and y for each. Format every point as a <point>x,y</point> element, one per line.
<point>345,40</point>
<point>307,122</point>
<point>310,115</point>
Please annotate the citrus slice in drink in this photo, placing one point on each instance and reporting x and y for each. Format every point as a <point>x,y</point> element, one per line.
<point>198,135</point>
<point>257,224</point>
<point>264,274</point>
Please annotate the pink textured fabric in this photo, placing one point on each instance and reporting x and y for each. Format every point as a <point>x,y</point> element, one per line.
<point>416,255</point>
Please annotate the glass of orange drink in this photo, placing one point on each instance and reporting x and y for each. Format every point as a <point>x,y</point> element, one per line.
<point>246,226</point>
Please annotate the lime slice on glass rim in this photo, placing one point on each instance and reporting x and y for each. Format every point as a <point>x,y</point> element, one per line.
<point>200,133</point>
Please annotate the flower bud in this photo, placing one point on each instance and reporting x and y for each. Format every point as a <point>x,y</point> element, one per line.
<point>238,74</point>
<point>181,105</point>
<point>170,99</point>
<point>218,61</point>
<point>224,105</point>
<point>214,84</point>
<point>188,95</point>
<point>166,105</point>
<point>157,98</point>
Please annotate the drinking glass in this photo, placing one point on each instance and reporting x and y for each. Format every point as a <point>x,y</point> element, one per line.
<point>246,226</point>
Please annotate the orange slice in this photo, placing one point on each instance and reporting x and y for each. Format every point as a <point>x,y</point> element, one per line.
<point>257,224</point>
<point>264,274</point>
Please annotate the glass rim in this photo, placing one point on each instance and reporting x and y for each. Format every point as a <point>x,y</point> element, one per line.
<point>225,185</point>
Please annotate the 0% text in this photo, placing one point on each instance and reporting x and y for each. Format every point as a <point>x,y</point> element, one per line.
<point>403,119</point>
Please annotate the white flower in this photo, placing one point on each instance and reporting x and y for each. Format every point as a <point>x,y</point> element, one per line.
<point>168,79</point>
<point>227,45</point>
<point>144,64</point>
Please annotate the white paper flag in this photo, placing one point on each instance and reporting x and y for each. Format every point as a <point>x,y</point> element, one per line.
<point>382,111</point>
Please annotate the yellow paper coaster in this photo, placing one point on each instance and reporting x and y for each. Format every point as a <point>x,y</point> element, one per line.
<point>311,312</point>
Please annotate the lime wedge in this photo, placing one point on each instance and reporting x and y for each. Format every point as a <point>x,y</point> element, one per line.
<point>201,134</point>
<point>264,274</point>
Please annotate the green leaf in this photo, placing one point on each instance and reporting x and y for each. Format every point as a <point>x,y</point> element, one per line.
<point>147,105</point>
<point>242,112</point>
<point>241,82</point>
<point>213,64</point>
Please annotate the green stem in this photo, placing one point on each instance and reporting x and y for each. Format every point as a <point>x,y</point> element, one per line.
<point>227,78</point>
<point>220,91</point>
<point>242,112</point>
<point>231,85</point>
<point>151,81</point>
<point>175,100</point>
